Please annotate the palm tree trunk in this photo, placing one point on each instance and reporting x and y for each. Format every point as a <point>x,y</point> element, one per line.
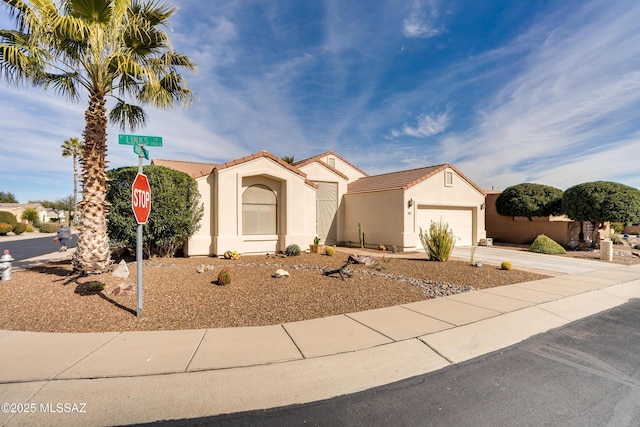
<point>92,254</point>
<point>75,189</point>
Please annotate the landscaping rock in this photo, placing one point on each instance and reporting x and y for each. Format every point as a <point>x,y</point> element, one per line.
<point>122,271</point>
<point>281,273</point>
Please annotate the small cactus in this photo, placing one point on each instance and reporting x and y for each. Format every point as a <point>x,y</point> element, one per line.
<point>506,265</point>
<point>224,277</point>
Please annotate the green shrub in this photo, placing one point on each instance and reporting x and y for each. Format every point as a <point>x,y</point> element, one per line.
<point>329,251</point>
<point>20,228</point>
<point>48,227</point>
<point>616,239</point>
<point>617,227</point>
<point>506,265</point>
<point>545,245</point>
<point>224,277</point>
<point>96,286</point>
<point>30,228</point>
<point>637,246</point>
<point>438,243</point>
<point>292,250</point>
<point>9,219</point>
<point>175,215</point>
<point>5,228</point>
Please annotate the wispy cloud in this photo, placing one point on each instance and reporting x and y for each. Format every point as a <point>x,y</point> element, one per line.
<point>422,22</point>
<point>427,125</point>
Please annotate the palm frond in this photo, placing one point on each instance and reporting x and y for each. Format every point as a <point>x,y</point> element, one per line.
<point>128,115</point>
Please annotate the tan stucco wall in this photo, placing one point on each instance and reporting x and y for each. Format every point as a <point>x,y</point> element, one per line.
<point>380,214</point>
<point>522,231</point>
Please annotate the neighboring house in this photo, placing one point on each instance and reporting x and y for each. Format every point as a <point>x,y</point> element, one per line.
<point>520,230</point>
<point>18,208</point>
<point>261,204</point>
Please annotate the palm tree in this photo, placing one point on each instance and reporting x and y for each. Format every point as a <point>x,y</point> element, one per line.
<point>103,48</point>
<point>72,147</point>
<point>288,159</point>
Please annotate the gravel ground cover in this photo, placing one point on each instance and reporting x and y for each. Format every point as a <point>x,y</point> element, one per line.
<point>182,293</point>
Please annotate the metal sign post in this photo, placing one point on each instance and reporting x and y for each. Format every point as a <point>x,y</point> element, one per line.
<point>140,199</point>
<point>139,256</point>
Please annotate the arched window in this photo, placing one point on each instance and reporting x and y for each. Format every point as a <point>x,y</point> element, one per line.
<point>259,210</point>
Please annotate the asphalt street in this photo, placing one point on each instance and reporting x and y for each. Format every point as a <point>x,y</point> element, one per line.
<point>584,374</point>
<point>22,249</point>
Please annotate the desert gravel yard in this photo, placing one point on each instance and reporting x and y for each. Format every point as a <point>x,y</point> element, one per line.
<point>182,293</point>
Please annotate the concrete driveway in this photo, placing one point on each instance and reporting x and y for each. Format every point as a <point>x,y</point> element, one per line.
<point>529,260</point>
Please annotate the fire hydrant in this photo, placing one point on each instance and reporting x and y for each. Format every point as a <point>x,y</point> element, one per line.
<point>5,265</point>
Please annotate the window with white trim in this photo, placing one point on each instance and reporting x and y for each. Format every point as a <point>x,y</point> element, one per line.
<point>259,210</point>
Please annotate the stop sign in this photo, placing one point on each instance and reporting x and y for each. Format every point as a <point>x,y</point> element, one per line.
<point>141,198</point>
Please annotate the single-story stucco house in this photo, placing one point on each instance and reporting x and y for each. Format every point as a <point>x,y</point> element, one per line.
<point>261,204</point>
<point>18,208</point>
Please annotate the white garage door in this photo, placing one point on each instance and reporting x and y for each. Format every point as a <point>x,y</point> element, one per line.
<point>459,220</point>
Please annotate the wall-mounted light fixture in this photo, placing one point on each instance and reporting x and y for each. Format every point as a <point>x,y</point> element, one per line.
<point>410,203</point>
<point>482,206</point>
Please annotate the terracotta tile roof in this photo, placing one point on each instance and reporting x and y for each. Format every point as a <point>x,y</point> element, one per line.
<point>317,157</point>
<point>195,169</point>
<point>401,180</point>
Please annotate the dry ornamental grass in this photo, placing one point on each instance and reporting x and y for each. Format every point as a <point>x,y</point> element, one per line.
<point>51,298</point>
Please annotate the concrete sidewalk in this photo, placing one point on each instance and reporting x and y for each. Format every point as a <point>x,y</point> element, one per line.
<point>135,377</point>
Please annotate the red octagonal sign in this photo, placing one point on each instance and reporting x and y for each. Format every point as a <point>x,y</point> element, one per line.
<point>141,198</point>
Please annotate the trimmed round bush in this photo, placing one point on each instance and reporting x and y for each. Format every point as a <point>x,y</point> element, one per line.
<point>545,245</point>
<point>292,250</point>
<point>506,265</point>
<point>48,227</point>
<point>329,251</point>
<point>20,228</point>
<point>5,228</point>
<point>9,219</point>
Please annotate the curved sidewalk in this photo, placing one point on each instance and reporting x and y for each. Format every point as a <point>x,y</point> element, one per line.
<point>136,377</point>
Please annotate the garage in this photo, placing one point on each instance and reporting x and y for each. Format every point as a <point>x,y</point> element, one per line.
<point>460,220</point>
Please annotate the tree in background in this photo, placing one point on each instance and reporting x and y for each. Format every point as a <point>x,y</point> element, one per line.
<point>72,147</point>
<point>529,200</point>
<point>602,201</point>
<point>175,209</point>
<point>7,197</point>
<point>101,48</point>
<point>288,159</point>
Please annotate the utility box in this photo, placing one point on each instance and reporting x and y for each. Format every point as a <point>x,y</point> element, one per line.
<point>486,242</point>
<point>606,250</point>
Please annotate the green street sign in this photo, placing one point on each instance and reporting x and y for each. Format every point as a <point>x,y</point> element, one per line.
<point>147,141</point>
<point>141,151</point>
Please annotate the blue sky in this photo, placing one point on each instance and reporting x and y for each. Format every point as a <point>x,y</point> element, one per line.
<point>507,91</point>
